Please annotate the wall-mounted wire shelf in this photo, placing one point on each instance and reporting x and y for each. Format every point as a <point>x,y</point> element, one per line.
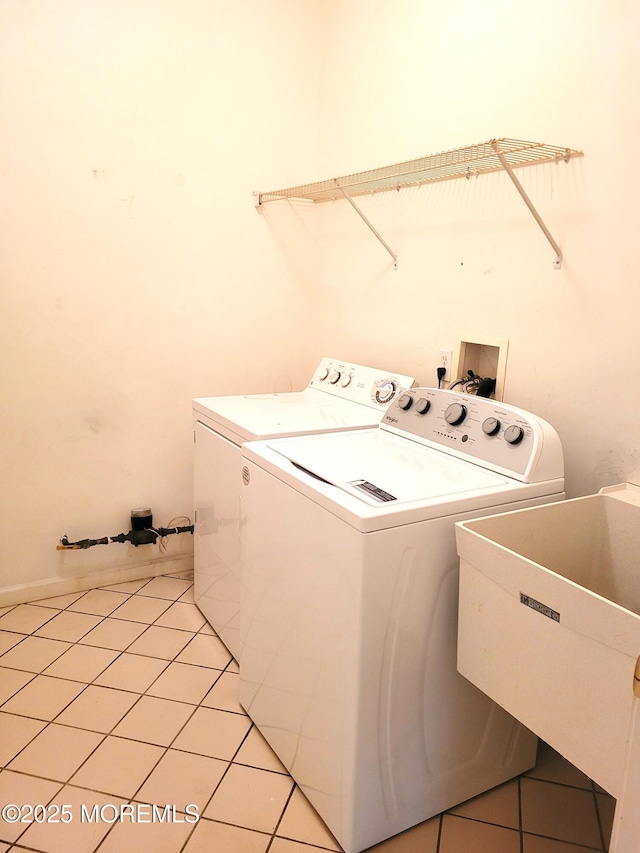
<point>496,155</point>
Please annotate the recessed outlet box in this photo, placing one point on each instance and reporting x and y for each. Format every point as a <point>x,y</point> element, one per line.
<point>486,356</point>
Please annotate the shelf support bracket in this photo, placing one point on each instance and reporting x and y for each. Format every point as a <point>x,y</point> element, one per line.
<point>375,232</point>
<point>557,263</point>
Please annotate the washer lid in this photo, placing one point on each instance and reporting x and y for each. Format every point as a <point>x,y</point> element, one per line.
<point>261,416</point>
<point>385,470</point>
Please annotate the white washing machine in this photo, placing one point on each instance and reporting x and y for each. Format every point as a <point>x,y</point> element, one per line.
<point>339,396</point>
<point>349,606</point>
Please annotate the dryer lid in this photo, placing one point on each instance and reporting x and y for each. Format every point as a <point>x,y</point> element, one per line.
<point>260,416</point>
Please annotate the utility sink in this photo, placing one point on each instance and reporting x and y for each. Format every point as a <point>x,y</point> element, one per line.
<point>549,627</point>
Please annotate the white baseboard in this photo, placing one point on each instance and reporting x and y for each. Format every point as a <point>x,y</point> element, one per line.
<point>49,587</point>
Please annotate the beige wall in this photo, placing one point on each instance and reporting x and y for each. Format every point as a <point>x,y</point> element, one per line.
<point>136,273</point>
<point>425,77</point>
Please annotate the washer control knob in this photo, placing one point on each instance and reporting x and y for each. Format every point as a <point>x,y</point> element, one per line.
<point>491,426</point>
<point>405,402</point>
<point>384,391</point>
<point>423,405</point>
<point>333,379</point>
<point>455,414</point>
<point>323,374</point>
<point>346,379</point>
<point>513,434</point>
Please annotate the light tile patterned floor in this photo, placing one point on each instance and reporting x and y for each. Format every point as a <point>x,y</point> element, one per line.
<point>124,697</point>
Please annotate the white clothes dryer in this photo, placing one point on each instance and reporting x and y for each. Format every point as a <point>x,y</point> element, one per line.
<point>349,606</point>
<point>339,396</point>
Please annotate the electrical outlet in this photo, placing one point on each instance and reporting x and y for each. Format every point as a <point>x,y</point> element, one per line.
<point>446,359</point>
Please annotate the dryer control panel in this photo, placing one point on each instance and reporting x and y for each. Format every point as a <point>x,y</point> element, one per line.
<point>358,383</point>
<point>487,432</point>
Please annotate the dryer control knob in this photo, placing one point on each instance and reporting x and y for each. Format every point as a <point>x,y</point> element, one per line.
<point>405,402</point>
<point>423,405</point>
<point>333,379</point>
<point>346,380</point>
<point>384,391</point>
<point>323,374</point>
<point>455,414</point>
<point>513,434</point>
<point>491,426</point>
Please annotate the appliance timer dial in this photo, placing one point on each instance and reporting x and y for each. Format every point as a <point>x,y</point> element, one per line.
<point>455,414</point>
<point>384,391</point>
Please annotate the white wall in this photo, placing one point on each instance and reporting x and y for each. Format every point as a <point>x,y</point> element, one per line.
<point>136,273</point>
<point>412,78</point>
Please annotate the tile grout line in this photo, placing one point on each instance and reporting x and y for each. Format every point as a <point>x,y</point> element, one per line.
<point>280,819</point>
<point>520,827</point>
<point>120,651</point>
<point>104,735</point>
<point>531,834</point>
<point>195,707</point>
<point>598,817</point>
<point>87,684</point>
<point>208,801</point>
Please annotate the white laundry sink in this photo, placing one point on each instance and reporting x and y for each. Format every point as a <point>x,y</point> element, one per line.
<point>549,622</point>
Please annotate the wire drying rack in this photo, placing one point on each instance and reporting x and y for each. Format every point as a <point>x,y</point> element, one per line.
<point>495,155</point>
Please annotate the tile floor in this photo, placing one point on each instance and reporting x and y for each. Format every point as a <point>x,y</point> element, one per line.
<point>119,698</point>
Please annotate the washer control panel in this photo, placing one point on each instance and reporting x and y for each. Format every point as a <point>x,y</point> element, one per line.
<point>487,432</point>
<point>359,384</point>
